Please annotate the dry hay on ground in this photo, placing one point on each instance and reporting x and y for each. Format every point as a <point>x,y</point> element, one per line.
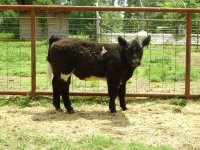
<point>147,122</point>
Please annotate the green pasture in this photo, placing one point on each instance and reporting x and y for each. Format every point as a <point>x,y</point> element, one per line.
<point>160,63</point>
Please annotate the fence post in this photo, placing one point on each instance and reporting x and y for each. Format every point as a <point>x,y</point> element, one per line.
<point>33,52</point>
<point>188,54</point>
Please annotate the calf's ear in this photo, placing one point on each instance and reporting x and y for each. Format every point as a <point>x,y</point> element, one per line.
<point>122,41</point>
<point>146,41</point>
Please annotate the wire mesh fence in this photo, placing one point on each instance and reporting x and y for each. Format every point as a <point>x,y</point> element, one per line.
<point>163,69</point>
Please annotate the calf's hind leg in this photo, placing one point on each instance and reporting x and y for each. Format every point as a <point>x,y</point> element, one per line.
<point>56,94</point>
<point>64,90</point>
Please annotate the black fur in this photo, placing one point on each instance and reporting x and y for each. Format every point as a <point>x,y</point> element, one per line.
<point>115,62</point>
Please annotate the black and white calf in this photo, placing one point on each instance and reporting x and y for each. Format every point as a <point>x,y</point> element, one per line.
<point>113,62</point>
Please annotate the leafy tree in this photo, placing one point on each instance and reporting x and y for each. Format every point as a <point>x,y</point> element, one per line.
<point>25,2</point>
<point>180,16</point>
<point>111,21</point>
<point>5,16</point>
<point>8,22</point>
<point>106,2</point>
<point>48,2</point>
<point>8,2</point>
<point>39,2</point>
<point>77,24</point>
<point>31,2</point>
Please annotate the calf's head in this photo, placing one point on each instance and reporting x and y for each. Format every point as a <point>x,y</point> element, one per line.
<point>134,49</point>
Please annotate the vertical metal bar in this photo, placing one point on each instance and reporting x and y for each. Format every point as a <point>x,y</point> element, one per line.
<point>33,52</point>
<point>97,23</point>
<point>198,36</point>
<point>188,54</point>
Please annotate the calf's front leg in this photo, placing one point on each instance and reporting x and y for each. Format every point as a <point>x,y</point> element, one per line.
<point>112,92</point>
<point>121,94</point>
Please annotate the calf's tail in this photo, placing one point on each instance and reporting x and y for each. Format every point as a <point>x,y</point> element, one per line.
<point>52,39</point>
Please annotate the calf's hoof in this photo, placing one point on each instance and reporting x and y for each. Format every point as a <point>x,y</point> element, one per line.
<point>59,110</point>
<point>71,111</point>
<point>113,110</point>
<point>124,108</point>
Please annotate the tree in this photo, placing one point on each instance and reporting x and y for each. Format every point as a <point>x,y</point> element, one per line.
<point>111,22</point>
<point>25,2</point>
<point>180,16</point>
<point>39,2</point>
<point>8,22</point>
<point>78,25</point>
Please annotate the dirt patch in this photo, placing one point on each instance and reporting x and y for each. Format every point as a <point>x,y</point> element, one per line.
<point>147,122</point>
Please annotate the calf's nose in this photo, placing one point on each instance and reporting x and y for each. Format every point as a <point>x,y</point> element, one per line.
<point>136,62</point>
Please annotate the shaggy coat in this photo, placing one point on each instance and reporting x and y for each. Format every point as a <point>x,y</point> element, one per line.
<point>113,62</point>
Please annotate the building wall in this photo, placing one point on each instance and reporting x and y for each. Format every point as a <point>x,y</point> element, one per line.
<point>47,24</point>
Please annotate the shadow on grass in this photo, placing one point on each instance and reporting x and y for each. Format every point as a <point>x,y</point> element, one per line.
<point>115,119</point>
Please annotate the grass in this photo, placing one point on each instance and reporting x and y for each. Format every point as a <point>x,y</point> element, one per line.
<point>16,57</point>
<point>79,101</point>
<point>155,100</point>
<point>160,64</point>
<point>27,138</point>
<point>26,101</point>
<point>99,142</point>
<point>31,137</point>
<point>7,36</point>
<point>174,101</point>
<point>18,101</point>
<point>178,102</point>
<point>24,139</point>
<point>166,64</point>
<point>23,101</point>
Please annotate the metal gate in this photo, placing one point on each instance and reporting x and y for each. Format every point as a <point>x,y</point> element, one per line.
<point>170,66</point>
